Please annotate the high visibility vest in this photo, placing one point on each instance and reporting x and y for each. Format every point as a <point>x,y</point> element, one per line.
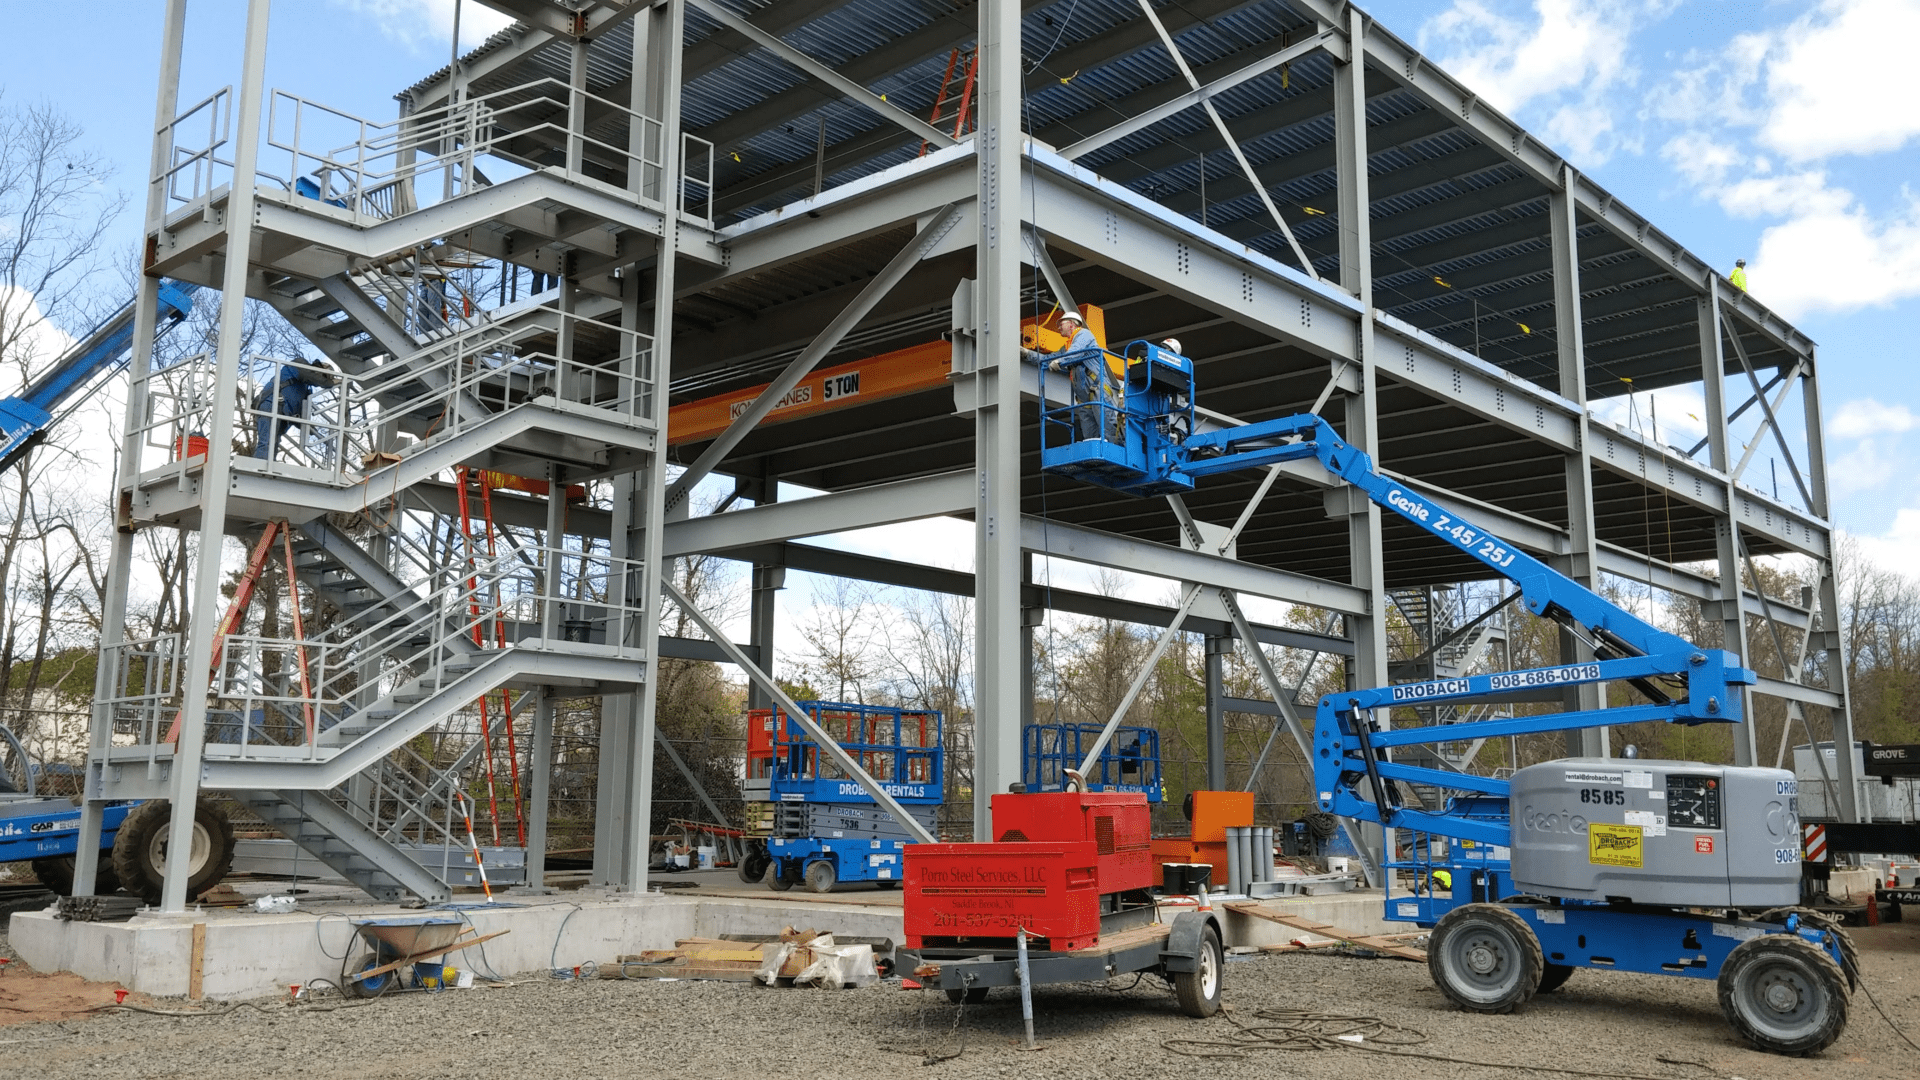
<point>1739,278</point>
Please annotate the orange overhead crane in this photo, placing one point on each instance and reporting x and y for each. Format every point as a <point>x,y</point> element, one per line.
<point>889,375</point>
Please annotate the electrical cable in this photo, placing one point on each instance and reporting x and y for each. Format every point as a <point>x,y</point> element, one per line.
<point>1298,1029</point>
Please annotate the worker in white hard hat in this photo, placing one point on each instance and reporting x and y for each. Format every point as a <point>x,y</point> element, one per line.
<point>1094,377</point>
<point>1172,345</point>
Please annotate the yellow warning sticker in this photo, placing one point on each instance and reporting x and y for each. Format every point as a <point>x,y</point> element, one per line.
<point>1614,845</point>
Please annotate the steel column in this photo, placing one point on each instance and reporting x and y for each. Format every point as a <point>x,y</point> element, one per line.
<point>183,788</point>
<point>146,310</point>
<point>539,792</point>
<point>1581,562</point>
<point>1366,550</point>
<point>1832,639</point>
<point>997,617</point>
<point>1733,620</point>
<point>1217,649</point>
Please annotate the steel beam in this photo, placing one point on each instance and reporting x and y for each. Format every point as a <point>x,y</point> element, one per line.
<point>1327,38</point>
<point>848,88</point>
<point>800,716</point>
<point>1086,545</point>
<point>860,508</point>
<point>722,445</point>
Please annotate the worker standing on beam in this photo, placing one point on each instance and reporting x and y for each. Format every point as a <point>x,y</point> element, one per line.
<point>1094,376</point>
<point>1739,275</point>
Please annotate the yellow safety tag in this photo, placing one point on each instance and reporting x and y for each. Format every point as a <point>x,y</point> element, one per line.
<point>1615,845</point>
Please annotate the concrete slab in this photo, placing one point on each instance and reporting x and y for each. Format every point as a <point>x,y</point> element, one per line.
<point>249,954</point>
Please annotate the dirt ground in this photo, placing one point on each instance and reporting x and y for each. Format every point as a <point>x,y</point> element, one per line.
<point>1602,1023</point>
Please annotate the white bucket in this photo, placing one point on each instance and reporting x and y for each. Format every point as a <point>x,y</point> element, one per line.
<point>707,853</point>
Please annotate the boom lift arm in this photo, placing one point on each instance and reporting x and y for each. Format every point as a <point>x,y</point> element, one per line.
<point>1348,749</point>
<point>1154,455</point>
<point>26,419</point>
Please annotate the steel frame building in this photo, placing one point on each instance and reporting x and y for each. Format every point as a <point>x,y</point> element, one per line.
<point>725,196</point>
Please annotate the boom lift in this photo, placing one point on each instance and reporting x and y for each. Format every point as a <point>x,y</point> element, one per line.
<point>26,419</point>
<point>1664,867</point>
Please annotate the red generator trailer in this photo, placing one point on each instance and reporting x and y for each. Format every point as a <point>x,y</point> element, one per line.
<point>1074,870</point>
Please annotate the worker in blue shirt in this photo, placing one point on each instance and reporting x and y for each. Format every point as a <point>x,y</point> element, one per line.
<point>282,401</point>
<point>1092,376</point>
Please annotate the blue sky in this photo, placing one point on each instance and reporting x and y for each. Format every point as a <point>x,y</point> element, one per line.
<point>1782,131</point>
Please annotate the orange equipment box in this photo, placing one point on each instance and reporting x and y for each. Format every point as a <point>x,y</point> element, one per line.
<point>1214,812</point>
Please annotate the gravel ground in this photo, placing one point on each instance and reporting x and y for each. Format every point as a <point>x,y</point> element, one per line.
<point>540,1028</point>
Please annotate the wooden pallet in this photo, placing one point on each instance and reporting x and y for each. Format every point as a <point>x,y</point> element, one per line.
<point>1390,944</point>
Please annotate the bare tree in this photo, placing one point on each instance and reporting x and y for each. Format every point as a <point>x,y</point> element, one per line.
<point>55,208</point>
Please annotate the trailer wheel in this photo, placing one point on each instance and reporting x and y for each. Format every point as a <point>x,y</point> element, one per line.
<point>1783,994</point>
<point>140,850</point>
<point>1484,958</point>
<point>972,995</point>
<point>1199,990</point>
<point>777,877</point>
<point>1553,976</point>
<point>821,876</point>
<point>753,866</point>
<point>56,872</point>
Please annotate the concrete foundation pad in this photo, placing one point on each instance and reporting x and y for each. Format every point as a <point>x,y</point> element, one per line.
<point>1362,911</point>
<point>248,954</point>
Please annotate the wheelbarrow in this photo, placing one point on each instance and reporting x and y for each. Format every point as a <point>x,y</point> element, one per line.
<point>397,950</point>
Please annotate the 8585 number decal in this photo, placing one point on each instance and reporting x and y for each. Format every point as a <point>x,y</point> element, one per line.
<point>1603,797</point>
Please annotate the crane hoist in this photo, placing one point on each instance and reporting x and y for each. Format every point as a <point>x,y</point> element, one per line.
<point>1666,867</point>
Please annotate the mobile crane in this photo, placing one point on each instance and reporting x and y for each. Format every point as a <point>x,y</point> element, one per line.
<point>1663,867</point>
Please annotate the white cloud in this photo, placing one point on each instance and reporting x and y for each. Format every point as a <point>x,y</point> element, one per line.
<point>427,25</point>
<point>38,344</point>
<point>1570,56</point>
<point>1836,256</point>
<point>1862,417</point>
<point>1839,80</point>
<point>1898,547</point>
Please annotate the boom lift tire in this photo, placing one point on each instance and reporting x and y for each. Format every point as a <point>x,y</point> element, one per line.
<point>1484,958</point>
<point>140,850</point>
<point>821,876</point>
<point>56,872</point>
<point>1553,976</point>
<point>1199,990</point>
<point>1784,994</point>
<point>777,878</point>
<point>753,866</point>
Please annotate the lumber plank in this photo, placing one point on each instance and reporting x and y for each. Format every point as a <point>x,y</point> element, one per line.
<point>1378,942</point>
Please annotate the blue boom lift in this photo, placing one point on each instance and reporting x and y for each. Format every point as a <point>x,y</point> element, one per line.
<point>1663,867</point>
<point>82,369</point>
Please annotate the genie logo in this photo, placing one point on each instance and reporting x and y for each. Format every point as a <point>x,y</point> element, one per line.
<point>1407,504</point>
<point>1537,821</point>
